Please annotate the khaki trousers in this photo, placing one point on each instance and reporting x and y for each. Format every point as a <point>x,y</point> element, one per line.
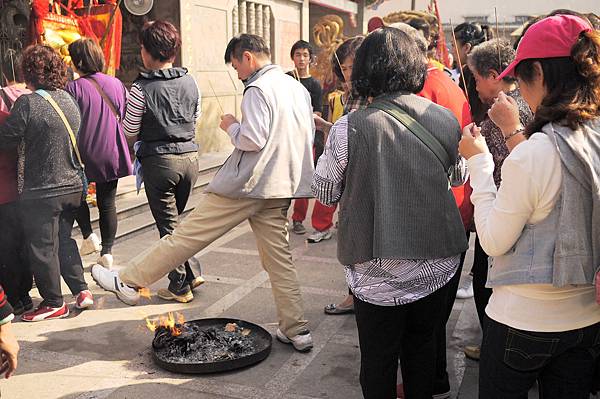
<point>213,217</point>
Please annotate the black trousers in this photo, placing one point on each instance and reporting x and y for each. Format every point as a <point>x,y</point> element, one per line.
<point>15,272</point>
<point>408,332</point>
<point>106,194</point>
<point>480,271</point>
<point>48,224</point>
<point>562,362</point>
<point>169,180</point>
<point>442,380</point>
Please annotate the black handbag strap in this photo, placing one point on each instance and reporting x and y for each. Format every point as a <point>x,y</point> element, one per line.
<point>418,130</point>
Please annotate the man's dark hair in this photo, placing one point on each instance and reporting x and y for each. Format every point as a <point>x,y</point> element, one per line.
<point>346,49</point>
<point>301,45</point>
<point>388,61</point>
<point>161,39</point>
<point>86,55</point>
<point>246,42</point>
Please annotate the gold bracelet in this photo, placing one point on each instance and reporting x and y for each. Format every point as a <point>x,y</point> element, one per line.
<point>513,134</point>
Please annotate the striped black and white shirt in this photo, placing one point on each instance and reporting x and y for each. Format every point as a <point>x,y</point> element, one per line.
<point>383,282</point>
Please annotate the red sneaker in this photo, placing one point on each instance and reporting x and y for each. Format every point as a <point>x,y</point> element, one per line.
<point>84,300</point>
<point>46,313</point>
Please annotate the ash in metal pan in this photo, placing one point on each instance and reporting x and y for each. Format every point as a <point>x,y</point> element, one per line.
<point>197,344</point>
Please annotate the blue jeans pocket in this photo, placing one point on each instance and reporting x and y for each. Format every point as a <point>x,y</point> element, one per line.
<point>527,352</point>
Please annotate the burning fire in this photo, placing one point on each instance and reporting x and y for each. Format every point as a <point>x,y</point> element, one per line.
<point>145,293</point>
<point>170,322</point>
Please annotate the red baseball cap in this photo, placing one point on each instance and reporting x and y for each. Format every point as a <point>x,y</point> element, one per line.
<point>551,37</point>
<point>374,24</point>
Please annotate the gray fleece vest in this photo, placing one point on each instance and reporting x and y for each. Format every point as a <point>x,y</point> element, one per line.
<point>396,202</point>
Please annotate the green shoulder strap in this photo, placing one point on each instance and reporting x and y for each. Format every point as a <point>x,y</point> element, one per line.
<point>417,129</point>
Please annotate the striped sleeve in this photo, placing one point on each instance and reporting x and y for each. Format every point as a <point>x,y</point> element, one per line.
<point>328,180</point>
<point>5,309</point>
<point>136,107</point>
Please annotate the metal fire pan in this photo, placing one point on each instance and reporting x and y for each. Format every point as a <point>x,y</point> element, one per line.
<point>262,343</point>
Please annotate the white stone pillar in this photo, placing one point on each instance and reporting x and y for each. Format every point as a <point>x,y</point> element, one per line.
<point>251,18</point>
<point>243,20</point>
<point>267,26</point>
<point>259,19</point>
<point>235,21</point>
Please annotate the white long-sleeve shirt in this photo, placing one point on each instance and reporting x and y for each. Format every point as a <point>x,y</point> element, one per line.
<point>252,132</point>
<point>531,185</point>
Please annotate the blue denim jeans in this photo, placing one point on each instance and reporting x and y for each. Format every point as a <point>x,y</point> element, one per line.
<point>512,360</point>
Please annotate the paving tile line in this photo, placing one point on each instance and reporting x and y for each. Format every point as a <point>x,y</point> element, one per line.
<point>267,284</point>
<point>253,252</point>
<point>298,362</point>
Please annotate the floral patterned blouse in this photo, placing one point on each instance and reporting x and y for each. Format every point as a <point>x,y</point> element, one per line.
<point>495,139</point>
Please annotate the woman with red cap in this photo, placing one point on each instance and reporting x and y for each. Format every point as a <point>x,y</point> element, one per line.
<point>542,224</point>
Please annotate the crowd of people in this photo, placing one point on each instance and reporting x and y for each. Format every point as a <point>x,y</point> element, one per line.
<point>415,156</point>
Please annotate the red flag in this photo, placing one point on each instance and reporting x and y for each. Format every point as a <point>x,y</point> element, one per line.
<point>442,50</point>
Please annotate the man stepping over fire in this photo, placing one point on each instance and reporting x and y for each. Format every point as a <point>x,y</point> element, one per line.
<point>272,163</point>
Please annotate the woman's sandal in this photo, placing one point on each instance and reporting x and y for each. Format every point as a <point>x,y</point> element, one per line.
<point>332,308</point>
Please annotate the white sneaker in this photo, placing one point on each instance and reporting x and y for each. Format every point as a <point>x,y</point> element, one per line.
<point>300,342</point>
<point>105,260</point>
<point>465,291</point>
<point>90,245</point>
<point>110,281</point>
<point>319,236</point>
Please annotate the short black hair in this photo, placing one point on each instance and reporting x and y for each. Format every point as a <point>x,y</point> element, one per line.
<point>472,33</point>
<point>245,42</point>
<point>160,39</point>
<point>388,61</point>
<point>301,45</point>
<point>346,49</point>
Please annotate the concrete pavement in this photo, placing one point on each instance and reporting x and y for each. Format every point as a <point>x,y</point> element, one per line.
<point>105,352</point>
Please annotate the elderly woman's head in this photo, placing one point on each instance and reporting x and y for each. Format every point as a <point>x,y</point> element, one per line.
<point>486,62</point>
<point>388,61</point>
<point>43,68</point>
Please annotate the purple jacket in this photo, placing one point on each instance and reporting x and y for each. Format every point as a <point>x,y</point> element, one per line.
<point>101,140</point>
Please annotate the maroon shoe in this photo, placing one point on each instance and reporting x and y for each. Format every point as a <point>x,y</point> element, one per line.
<point>84,300</point>
<point>46,313</point>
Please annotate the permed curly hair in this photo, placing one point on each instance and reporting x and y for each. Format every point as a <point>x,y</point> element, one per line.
<point>43,68</point>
